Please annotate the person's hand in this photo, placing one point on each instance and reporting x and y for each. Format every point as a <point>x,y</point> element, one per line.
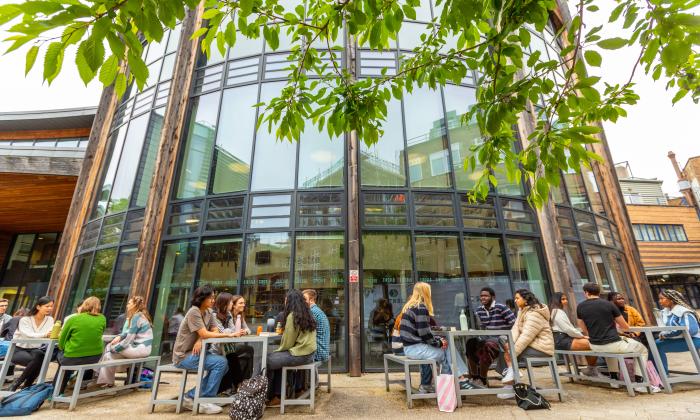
<point>48,335</point>
<point>240,333</point>
<point>444,343</point>
<point>116,341</point>
<point>197,348</point>
<point>586,337</point>
<point>661,337</point>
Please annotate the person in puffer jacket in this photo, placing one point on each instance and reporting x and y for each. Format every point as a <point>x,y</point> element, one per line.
<point>677,312</point>
<point>532,334</point>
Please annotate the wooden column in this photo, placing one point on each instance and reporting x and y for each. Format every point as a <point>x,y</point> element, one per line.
<point>146,262</point>
<point>552,241</point>
<point>618,213</point>
<point>353,232</point>
<point>83,197</point>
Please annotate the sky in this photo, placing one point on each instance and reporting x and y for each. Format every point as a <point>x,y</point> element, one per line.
<point>653,126</point>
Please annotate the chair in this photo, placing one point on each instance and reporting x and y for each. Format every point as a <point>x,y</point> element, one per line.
<point>407,363</point>
<point>308,397</point>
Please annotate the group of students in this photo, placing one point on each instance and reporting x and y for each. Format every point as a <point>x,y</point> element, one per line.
<point>79,341</point>
<point>306,338</point>
<point>538,330</point>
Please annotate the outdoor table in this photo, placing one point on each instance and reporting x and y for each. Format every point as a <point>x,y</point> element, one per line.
<point>452,335</point>
<point>200,370</point>
<point>667,380</point>
<point>50,344</point>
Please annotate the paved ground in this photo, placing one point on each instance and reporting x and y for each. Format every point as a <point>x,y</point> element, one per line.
<point>365,397</point>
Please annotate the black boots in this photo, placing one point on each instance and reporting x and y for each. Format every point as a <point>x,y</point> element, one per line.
<point>16,384</point>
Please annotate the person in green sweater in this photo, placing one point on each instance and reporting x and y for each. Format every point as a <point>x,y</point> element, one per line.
<point>298,343</point>
<point>80,342</point>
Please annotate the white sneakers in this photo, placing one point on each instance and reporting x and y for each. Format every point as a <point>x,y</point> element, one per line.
<point>591,371</point>
<point>426,389</point>
<point>509,375</point>
<point>507,393</point>
<point>188,403</point>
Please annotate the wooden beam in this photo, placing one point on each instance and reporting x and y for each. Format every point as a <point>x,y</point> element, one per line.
<point>85,190</point>
<point>45,134</point>
<point>146,262</point>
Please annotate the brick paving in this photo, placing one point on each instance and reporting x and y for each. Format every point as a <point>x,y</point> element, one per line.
<point>365,397</point>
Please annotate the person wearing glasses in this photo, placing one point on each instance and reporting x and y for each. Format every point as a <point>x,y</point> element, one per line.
<point>194,328</point>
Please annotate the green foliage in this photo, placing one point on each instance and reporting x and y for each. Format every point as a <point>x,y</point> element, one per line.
<point>492,38</point>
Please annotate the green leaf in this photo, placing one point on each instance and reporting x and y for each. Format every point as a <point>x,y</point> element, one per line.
<point>53,60</point>
<point>612,43</point>
<point>616,12</point>
<point>138,69</point>
<point>120,84</point>
<point>8,12</point>
<point>31,59</point>
<point>675,54</point>
<point>84,70</point>
<point>593,58</point>
<point>199,32</point>
<point>73,34</point>
<point>210,13</point>
<point>109,70</point>
<point>115,44</point>
<point>93,51</point>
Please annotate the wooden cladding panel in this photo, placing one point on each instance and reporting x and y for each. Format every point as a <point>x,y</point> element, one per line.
<point>44,134</point>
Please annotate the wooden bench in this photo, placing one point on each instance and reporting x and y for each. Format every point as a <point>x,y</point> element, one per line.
<point>574,374</point>
<point>132,381</point>
<point>407,363</point>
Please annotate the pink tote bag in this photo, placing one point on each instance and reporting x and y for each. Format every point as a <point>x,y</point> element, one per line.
<point>446,396</point>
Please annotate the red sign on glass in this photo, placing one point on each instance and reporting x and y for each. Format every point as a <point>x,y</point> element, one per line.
<point>354,276</point>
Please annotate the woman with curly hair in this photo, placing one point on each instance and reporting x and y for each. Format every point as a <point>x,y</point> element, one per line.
<point>676,312</point>
<point>298,342</point>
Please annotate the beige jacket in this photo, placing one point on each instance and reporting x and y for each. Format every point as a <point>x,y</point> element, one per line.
<point>532,329</point>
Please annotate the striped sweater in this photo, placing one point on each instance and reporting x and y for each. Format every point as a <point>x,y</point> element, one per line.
<point>139,334</point>
<point>415,326</point>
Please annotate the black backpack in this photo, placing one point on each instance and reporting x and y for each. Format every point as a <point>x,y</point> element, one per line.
<point>529,399</point>
<point>249,401</point>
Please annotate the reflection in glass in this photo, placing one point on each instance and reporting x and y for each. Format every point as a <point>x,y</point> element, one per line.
<point>387,278</point>
<point>409,35</point>
<point>577,269</point>
<point>382,163</point>
<point>438,263</point>
<point>201,128</point>
<point>321,159</point>
<point>32,270</point>
<point>275,161</point>
<point>483,256</point>
<point>219,261</point>
<point>147,166</point>
<point>266,279</point>
<point>458,101</point>
<point>592,188</point>
<point>245,47</point>
<point>617,274</point>
<point>100,273</point>
<point>428,158</point>
<point>577,192</point>
<point>234,140</point>
<point>526,270</point>
<point>80,278</point>
<point>172,294</point>
<point>320,265</point>
<point>117,141</point>
<point>128,165</point>
<point>115,305</point>
<point>600,272</point>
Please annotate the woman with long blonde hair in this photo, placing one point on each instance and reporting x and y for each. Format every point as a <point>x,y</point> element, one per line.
<point>134,342</point>
<point>420,343</point>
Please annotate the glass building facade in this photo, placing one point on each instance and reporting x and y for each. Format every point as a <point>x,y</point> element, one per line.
<point>256,217</point>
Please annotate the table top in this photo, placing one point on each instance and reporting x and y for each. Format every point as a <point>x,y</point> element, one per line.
<point>472,333</point>
<point>656,328</point>
<point>242,339</point>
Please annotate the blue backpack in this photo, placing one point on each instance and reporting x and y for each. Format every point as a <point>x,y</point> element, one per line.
<point>26,401</point>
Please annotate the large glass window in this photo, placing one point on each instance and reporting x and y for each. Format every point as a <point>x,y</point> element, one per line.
<point>320,265</point>
<point>525,266</point>
<point>100,274</point>
<point>80,278</point>
<point>428,158</point>
<point>115,306</point>
<point>386,280</point>
<point>234,140</point>
<point>117,141</point>
<point>592,188</point>
<point>201,130</point>
<point>266,280</point>
<point>382,164</point>
<point>321,159</point>
<point>576,268</point>
<point>438,263</point>
<point>600,272</point>
<point>172,294</point>
<point>219,261</point>
<point>577,192</point>
<point>463,136</point>
<point>275,161</point>
<point>483,256</point>
<point>147,165</point>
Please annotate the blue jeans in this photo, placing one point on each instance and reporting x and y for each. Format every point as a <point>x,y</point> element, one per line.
<point>673,345</point>
<point>422,351</point>
<point>215,365</point>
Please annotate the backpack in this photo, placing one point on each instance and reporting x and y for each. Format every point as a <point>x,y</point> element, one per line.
<point>26,401</point>
<point>249,402</point>
<point>529,399</point>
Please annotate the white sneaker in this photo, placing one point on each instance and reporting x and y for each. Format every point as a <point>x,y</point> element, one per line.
<point>640,389</point>
<point>591,371</point>
<point>509,375</point>
<point>209,409</point>
<point>655,389</point>
<point>426,389</point>
<point>507,394</point>
<point>187,402</point>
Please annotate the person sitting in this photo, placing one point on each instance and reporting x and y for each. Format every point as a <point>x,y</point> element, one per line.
<point>381,320</point>
<point>532,335</point>
<point>631,315</point>
<point>4,316</point>
<point>323,328</point>
<point>676,312</point>
<point>566,336</point>
<point>420,343</point>
<point>134,342</point>
<point>597,319</point>
<point>194,328</point>
<point>481,353</point>
<point>298,343</point>
<point>9,328</point>
<point>229,318</point>
<point>80,342</point>
<point>37,324</point>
